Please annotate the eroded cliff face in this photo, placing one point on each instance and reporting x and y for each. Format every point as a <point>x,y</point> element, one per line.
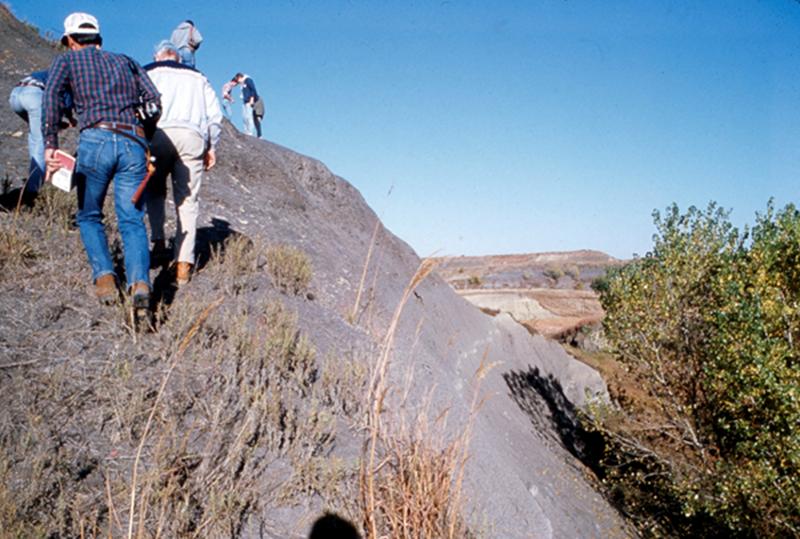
<point>70,368</point>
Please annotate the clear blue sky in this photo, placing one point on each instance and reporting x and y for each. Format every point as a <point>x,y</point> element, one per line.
<point>504,126</point>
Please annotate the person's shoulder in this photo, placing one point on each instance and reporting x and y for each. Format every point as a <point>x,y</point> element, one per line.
<point>171,65</point>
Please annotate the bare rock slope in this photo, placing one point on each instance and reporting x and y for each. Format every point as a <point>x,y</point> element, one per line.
<point>73,373</point>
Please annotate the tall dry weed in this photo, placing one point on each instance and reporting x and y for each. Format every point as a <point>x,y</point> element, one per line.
<point>412,473</point>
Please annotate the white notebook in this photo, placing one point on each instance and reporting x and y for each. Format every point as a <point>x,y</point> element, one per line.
<point>62,178</point>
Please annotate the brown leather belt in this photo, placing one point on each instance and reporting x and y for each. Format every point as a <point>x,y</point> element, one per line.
<point>34,83</point>
<point>121,128</point>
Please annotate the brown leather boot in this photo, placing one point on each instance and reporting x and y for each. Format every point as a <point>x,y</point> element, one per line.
<point>105,288</point>
<point>183,271</point>
<point>140,295</point>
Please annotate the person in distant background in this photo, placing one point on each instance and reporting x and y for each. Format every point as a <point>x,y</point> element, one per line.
<point>187,38</point>
<point>26,102</point>
<point>227,98</point>
<point>252,123</point>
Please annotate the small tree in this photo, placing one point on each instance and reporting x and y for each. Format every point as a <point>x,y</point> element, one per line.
<point>711,323</point>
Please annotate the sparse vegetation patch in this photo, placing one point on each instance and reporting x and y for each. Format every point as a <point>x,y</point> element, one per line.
<point>289,268</point>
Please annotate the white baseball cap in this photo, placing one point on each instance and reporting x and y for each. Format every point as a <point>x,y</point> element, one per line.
<point>80,23</point>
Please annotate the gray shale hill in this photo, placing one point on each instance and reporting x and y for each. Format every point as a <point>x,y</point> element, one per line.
<point>77,383</point>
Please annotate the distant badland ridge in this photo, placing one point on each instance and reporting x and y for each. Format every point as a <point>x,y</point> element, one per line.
<point>565,269</point>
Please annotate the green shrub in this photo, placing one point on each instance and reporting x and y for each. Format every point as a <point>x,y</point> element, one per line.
<point>573,272</point>
<point>710,319</point>
<point>554,273</point>
<point>600,284</point>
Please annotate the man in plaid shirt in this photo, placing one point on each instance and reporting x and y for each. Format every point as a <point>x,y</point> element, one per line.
<point>106,88</point>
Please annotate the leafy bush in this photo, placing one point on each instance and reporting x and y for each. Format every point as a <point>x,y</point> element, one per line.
<point>710,320</point>
<point>573,272</point>
<point>554,273</point>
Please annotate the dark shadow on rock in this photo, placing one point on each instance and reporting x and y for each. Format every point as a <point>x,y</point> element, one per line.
<point>332,526</point>
<point>211,238</point>
<point>10,200</point>
<point>542,399</point>
<point>164,287</point>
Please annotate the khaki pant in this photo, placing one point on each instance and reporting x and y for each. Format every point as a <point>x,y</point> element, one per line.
<point>179,153</point>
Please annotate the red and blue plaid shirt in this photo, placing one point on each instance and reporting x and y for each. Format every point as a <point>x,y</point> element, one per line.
<point>103,86</point>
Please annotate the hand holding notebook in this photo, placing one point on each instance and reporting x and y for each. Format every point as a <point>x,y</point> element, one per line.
<point>62,178</point>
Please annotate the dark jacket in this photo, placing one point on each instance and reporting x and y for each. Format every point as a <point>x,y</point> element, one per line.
<point>249,90</point>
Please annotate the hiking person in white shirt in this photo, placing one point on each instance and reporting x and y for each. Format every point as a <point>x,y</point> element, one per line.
<point>184,146</point>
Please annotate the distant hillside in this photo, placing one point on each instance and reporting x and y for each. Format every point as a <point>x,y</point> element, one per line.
<point>549,293</point>
<point>570,269</point>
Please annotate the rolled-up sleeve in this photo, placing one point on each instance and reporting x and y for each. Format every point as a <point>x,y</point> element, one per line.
<point>57,82</point>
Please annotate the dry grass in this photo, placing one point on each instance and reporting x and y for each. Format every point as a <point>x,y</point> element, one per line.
<point>412,475</point>
<point>235,262</point>
<point>260,404</point>
<point>239,259</point>
<point>289,268</point>
<point>56,208</point>
<point>17,245</point>
<point>194,431</point>
<point>194,454</point>
<point>372,243</point>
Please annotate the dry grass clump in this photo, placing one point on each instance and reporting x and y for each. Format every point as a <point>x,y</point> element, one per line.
<point>344,384</point>
<point>289,268</point>
<point>234,262</point>
<point>418,486</point>
<point>411,476</point>
<point>17,245</point>
<point>56,207</point>
<point>239,259</point>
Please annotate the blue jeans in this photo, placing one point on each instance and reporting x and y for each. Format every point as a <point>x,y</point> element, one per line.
<point>251,124</point>
<point>187,56</point>
<point>26,101</point>
<point>103,156</point>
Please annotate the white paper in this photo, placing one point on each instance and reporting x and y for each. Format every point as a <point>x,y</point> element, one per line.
<point>62,178</point>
